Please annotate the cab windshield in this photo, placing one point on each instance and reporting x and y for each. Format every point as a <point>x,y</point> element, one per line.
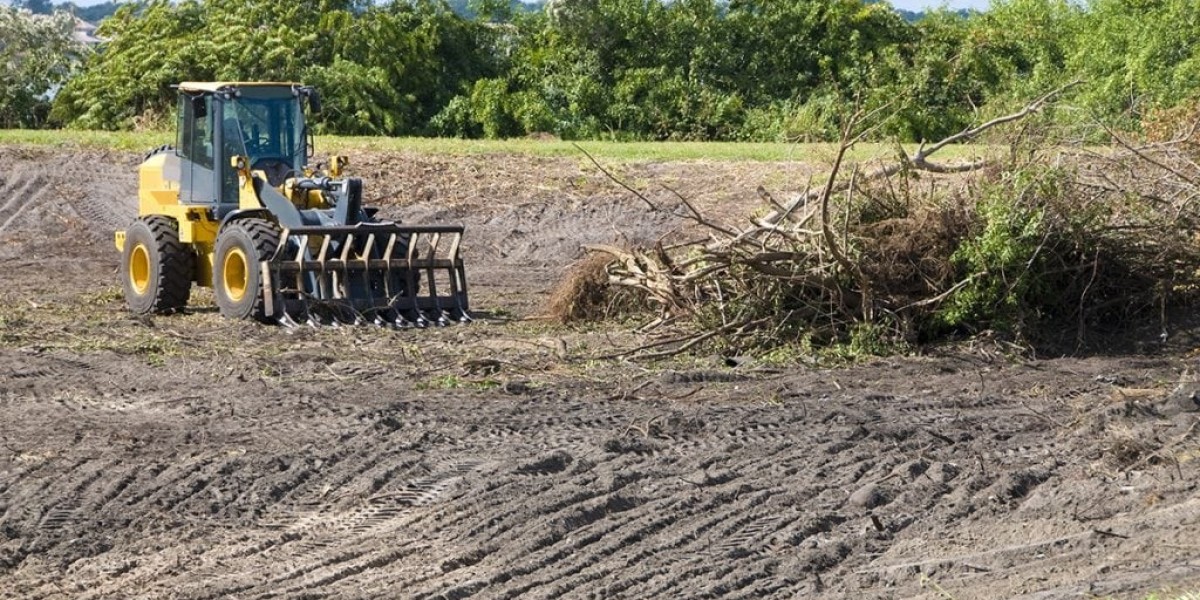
<point>266,125</point>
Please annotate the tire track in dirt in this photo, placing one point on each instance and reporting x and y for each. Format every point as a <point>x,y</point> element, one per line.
<point>542,499</point>
<point>733,522</point>
<point>177,489</point>
<point>589,534</point>
<point>20,193</point>
<point>55,531</point>
<point>65,512</point>
<point>328,541</point>
<point>530,234</point>
<point>561,563</point>
<point>621,547</point>
<point>557,565</point>
<point>106,201</point>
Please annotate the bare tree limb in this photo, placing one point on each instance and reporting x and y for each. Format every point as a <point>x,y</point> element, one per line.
<point>923,153</point>
<point>920,160</point>
<point>654,207</point>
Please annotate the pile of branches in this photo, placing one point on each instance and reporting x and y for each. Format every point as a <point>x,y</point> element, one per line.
<point>1044,244</point>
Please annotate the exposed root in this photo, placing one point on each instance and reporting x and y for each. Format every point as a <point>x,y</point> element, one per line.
<point>586,294</point>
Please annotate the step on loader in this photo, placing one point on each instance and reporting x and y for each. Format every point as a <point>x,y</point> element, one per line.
<point>234,204</point>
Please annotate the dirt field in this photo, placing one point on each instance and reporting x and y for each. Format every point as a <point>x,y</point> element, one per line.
<point>190,457</point>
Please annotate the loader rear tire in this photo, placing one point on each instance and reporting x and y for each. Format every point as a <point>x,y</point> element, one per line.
<point>237,274</point>
<point>156,267</point>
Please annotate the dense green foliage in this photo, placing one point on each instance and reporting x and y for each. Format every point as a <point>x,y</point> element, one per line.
<point>385,69</point>
<point>36,55</point>
<point>645,69</point>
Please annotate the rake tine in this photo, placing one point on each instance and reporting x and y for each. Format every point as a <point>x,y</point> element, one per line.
<point>457,279</point>
<point>344,314</point>
<point>399,322</point>
<point>286,320</point>
<point>412,277</point>
<point>384,319</point>
<point>380,320</point>
<point>434,317</point>
<point>356,318</point>
<point>316,318</point>
<point>387,272</point>
<point>337,314</point>
<point>419,319</point>
<point>434,242</point>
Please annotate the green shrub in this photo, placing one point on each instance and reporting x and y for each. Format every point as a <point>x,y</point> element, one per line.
<point>1003,253</point>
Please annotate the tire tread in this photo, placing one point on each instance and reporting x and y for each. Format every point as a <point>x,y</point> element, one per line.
<point>176,262</point>
<point>264,236</point>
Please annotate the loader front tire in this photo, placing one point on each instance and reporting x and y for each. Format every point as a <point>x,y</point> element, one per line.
<point>237,273</point>
<point>156,267</point>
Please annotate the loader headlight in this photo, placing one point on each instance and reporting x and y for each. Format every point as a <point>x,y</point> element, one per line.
<point>242,166</point>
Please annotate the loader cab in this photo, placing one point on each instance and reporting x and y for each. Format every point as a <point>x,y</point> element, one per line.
<point>263,122</point>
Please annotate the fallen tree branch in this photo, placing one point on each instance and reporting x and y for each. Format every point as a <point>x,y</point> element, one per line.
<point>920,160</point>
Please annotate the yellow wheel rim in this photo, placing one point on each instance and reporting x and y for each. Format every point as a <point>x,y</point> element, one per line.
<point>236,275</point>
<point>139,269</point>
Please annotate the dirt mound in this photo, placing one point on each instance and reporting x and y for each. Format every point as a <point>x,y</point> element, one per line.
<point>191,457</point>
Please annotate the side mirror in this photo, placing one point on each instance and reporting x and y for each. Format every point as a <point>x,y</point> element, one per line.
<point>314,102</point>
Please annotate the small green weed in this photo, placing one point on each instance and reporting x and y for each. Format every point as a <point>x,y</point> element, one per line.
<point>103,297</point>
<point>788,354</point>
<point>454,382</point>
<point>12,323</point>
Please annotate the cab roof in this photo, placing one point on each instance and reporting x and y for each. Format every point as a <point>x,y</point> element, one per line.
<point>215,86</point>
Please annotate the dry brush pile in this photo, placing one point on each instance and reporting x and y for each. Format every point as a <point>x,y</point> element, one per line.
<point>1046,245</point>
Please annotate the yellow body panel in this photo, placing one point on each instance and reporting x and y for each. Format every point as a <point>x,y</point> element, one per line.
<point>247,197</point>
<point>159,195</point>
<point>155,190</point>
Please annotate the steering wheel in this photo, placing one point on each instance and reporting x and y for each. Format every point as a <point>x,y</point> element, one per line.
<point>277,168</point>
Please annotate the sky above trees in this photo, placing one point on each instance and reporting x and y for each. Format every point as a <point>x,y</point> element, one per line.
<point>913,5</point>
<point>918,5</point>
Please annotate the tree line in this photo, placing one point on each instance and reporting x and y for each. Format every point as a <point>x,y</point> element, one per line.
<point>644,69</point>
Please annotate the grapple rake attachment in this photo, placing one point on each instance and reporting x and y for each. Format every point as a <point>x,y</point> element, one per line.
<point>384,274</point>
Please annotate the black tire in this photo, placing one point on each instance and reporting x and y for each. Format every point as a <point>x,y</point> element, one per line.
<point>237,277</point>
<point>156,268</point>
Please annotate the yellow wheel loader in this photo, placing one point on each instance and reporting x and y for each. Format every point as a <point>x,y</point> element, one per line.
<point>235,205</point>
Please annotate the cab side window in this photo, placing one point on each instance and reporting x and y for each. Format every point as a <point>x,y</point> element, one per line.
<point>195,130</point>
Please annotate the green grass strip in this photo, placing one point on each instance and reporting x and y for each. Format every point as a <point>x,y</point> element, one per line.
<point>618,151</point>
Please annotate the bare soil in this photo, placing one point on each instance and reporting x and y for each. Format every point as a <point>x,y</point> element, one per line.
<point>186,456</point>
